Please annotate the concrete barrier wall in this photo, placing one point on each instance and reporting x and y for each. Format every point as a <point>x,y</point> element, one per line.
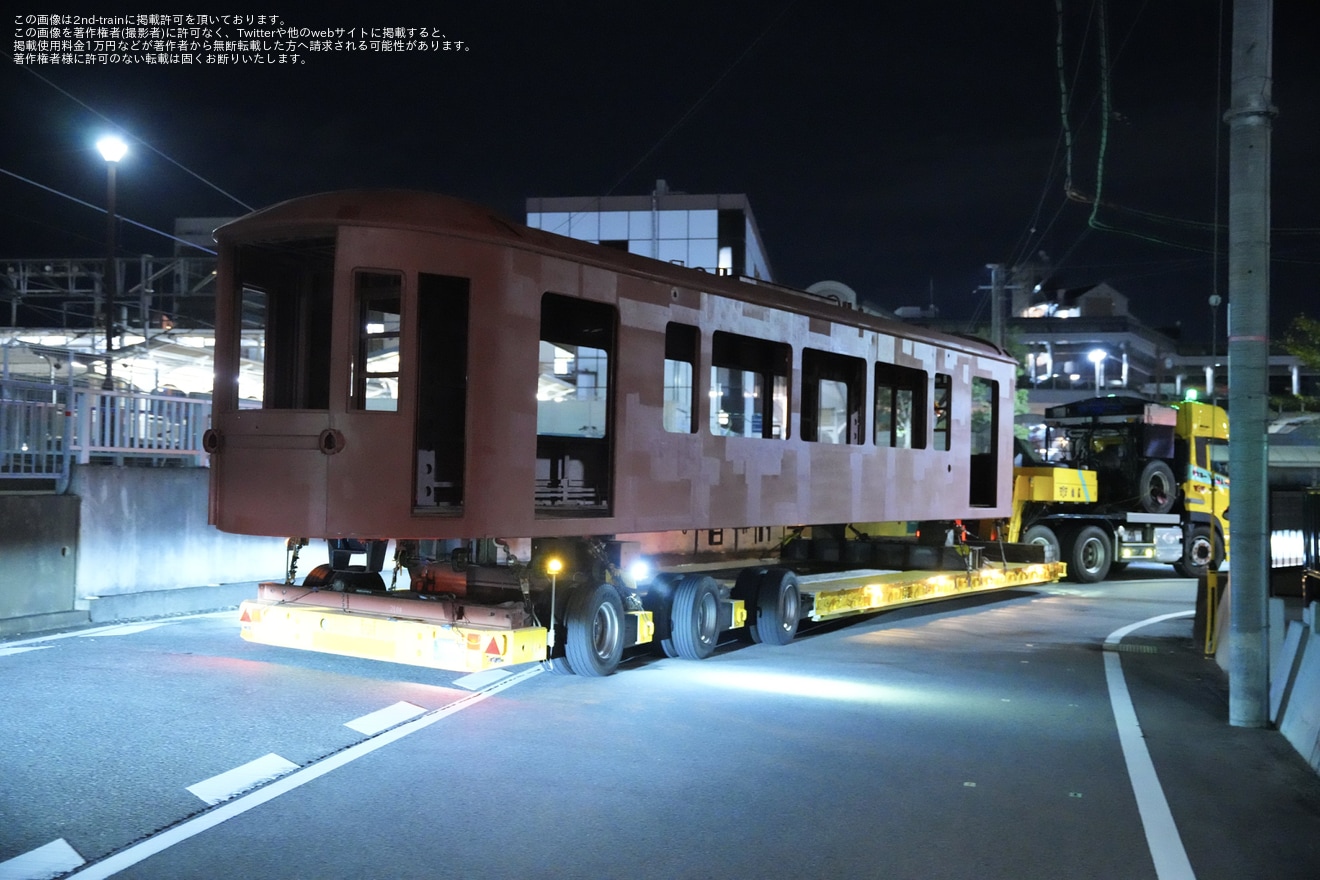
<point>145,529</point>
<point>1297,671</point>
<point>124,542</point>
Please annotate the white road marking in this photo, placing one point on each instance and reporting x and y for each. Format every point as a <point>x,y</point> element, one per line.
<point>179,833</point>
<point>6,652</point>
<point>83,633</point>
<point>124,630</point>
<point>42,863</point>
<point>1166,846</point>
<point>478,680</point>
<point>226,785</point>
<point>383,719</point>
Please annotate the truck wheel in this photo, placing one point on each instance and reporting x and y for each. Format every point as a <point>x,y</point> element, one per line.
<point>1089,555</point>
<point>778,607</point>
<point>695,624</point>
<point>594,620</point>
<point>1043,535</point>
<point>1200,552</point>
<point>1157,488</point>
<point>747,588</point>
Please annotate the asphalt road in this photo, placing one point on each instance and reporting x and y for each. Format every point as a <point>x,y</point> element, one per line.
<point>975,738</point>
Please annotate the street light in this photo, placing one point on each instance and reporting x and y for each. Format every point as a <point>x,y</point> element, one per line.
<point>112,149</point>
<point>1097,356</point>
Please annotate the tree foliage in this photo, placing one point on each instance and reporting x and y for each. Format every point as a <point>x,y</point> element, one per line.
<point>1302,341</point>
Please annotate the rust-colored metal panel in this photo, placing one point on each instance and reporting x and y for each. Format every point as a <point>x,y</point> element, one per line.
<point>659,480</point>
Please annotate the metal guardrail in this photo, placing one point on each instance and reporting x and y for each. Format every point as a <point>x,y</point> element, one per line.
<point>45,428</point>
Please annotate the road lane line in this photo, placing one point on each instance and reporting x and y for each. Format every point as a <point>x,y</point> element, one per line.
<point>383,719</point>
<point>51,860</point>
<point>1162,838</point>
<point>126,858</point>
<point>9,652</point>
<point>246,777</point>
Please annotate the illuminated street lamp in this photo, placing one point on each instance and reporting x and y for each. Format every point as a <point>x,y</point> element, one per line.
<point>1097,356</point>
<point>112,149</point>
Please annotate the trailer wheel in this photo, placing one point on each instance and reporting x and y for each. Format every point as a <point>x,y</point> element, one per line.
<point>1158,490</point>
<point>1090,555</point>
<point>695,625</point>
<point>1044,536</point>
<point>1201,551</point>
<point>594,619</point>
<point>747,587</point>
<point>557,666</point>
<point>778,607</point>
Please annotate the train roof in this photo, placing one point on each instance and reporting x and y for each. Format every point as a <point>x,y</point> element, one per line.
<point>432,212</point>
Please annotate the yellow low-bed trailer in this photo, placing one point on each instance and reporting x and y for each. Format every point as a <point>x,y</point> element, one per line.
<point>449,634</point>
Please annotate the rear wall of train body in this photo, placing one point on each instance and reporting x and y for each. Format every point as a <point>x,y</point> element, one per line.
<point>549,387</point>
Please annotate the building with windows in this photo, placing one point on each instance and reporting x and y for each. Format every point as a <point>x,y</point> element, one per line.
<point>714,233</point>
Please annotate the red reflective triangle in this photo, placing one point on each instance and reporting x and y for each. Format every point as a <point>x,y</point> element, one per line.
<point>243,618</point>
<point>493,647</point>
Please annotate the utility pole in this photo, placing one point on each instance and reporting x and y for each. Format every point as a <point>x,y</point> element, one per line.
<point>996,303</point>
<point>1250,117</point>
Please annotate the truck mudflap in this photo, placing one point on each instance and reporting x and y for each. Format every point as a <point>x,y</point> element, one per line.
<point>860,592</point>
<point>435,644</point>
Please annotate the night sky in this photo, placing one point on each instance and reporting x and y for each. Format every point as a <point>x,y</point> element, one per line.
<point>897,149</point>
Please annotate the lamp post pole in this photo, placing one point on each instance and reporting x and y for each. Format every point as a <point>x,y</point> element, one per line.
<point>112,149</point>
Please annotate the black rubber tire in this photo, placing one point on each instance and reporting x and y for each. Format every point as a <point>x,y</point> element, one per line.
<point>557,666</point>
<point>594,620</point>
<point>778,607</point>
<point>1090,553</point>
<point>746,588</point>
<point>1157,490</point>
<point>1201,550</point>
<point>695,624</point>
<point>1045,536</point>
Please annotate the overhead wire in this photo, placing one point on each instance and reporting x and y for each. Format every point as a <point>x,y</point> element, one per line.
<point>687,114</point>
<point>136,140</point>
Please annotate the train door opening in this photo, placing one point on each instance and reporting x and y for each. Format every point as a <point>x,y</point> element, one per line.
<point>442,379</point>
<point>275,419</point>
<point>574,442</point>
<point>984,452</point>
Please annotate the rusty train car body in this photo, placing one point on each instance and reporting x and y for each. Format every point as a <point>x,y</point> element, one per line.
<point>434,374</point>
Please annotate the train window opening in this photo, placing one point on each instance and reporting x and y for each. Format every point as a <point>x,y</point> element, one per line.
<point>286,291</point>
<point>573,443</point>
<point>940,406</point>
<point>375,384</point>
<point>680,413</point>
<point>749,386</point>
<point>900,407</point>
<point>833,387</point>
<point>983,483</point>
<point>442,380</point>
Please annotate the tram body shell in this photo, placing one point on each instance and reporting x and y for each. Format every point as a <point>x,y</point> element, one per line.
<point>316,461</point>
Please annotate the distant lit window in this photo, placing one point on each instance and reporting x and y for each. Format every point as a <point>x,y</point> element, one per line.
<point>900,405</point>
<point>941,410</point>
<point>680,370</point>
<point>749,386</point>
<point>376,368</point>
<point>833,386</point>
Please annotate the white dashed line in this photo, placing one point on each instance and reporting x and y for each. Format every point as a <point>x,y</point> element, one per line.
<point>224,786</point>
<point>384,719</point>
<point>179,833</point>
<point>51,860</point>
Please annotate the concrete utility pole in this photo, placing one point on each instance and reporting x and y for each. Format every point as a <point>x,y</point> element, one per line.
<point>1249,118</point>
